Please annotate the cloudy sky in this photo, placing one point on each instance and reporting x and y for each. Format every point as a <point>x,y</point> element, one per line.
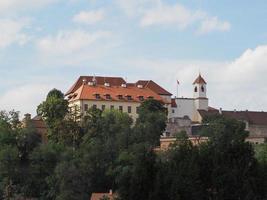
<point>48,44</point>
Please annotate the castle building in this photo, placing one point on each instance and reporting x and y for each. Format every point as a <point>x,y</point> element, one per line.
<point>184,114</point>
<point>114,93</point>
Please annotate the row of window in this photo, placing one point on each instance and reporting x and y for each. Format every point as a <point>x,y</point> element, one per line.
<point>103,107</point>
<point>121,97</point>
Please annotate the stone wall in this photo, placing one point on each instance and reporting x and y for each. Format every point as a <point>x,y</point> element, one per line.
<point>257,130</point>
<point>176,125</point>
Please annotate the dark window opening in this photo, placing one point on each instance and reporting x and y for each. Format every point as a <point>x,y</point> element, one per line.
<point>103,107</point>
<point>129,97</point>
<point>97,96</point>
<point>85,107</point>
<point>120,108</point>
<point>141,98</point>
<point>202,88</point>
<point>120,97</point>
<point>108,96</point>
<point>129,109</point>
<point>196,89</point>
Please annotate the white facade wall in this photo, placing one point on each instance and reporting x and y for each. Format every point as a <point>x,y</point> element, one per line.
<point>185,107</point>
<point>134,106</point>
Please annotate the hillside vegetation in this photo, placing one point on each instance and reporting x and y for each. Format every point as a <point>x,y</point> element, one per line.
<point>106,150</point>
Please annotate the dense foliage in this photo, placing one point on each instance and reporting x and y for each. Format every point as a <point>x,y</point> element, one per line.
<point>107,150</point>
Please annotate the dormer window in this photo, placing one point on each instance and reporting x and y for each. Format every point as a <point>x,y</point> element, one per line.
<point>108,96</point>
<point>196,89</point>
<point>128,97</point>
<point>120,97</point>
<point>97,96</point>
<point>141,98</point>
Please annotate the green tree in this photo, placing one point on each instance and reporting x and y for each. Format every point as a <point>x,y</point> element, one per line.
<point>43,161</point>
<point>150,123</point>
<point>53,109</point>
<point>9,171</point>
<point>228,166</point>
<point>136,172</point>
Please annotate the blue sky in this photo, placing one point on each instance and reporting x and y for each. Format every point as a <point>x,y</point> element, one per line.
<point>49,43</point>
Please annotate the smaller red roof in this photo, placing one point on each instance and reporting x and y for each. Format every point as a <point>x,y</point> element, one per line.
<point>199,80</point>
<point>153,86</point>
<point>99,196</point>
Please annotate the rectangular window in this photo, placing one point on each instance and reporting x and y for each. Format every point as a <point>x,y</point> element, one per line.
<point>120,108</point>
<point>129,109</point>
<point>120,97</point>
<point>108,96</point>
<point>97,96</point>
<point>103,107</point>
<point>85,107</point>
<point>111,107</point>
<point>137,110</point>
<point>141,98</point>
<point>94,106</point>
<point>173,111</point>
<point>129,97</point>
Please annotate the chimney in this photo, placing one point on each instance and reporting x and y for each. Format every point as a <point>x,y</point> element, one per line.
<point>27,116</point>
<point>107,84</point>
<point>220,111</point>
<point>84,81</point>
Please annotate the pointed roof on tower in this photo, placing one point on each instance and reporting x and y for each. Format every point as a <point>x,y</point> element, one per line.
<point>200,80</point>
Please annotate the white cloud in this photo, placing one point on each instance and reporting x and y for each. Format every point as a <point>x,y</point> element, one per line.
<point>171,15</point>
<point>74,48</point>
<point>69,42</point>
<point>237,84</point>
<point>159,13</point>
<point>7,6</point>
<point>12,31</point>
<point>135,7</point>
<point>24,98</point>
<point>213,24</point>
<point>89,17</point>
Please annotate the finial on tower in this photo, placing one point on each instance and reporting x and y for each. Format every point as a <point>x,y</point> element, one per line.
<point>199,80</point>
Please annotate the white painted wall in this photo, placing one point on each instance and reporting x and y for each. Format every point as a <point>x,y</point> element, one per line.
<point>185,107</point>
<point>81,104</point>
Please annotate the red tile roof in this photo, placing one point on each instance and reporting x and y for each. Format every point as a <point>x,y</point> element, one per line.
<point>114,81</point>
<point>252,117</point>
<point>87,92</point>
<point>200,80</point>
<point>117,81</point>
<point>99,196</point>
<point>153,86</point>
<point>38,122</point>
